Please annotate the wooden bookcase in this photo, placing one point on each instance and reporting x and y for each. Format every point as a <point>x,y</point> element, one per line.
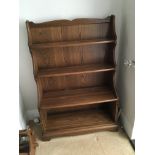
<point>74,67</point>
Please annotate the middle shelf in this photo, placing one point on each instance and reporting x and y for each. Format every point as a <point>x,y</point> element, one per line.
<point>62,71</point>
<point>77,97</point>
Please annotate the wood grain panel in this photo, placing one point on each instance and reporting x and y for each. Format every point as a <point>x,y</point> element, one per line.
<point>62,71</point>
<point>76,81</point>
<point>78,122</point>
<point>69,33</point>
<point>77,97</point>
<point>78,119</point>
<point>72,43</point>
<point>92,31</point>
<point>46,35</point>
<point>72,56</point>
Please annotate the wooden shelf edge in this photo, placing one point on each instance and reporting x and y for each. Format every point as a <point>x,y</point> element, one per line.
<point>77,97</point>
<point>73,132</point>
<point>75,105</point>
<point>78,122</point>
<point>62,71</point>
<point>71,43</point>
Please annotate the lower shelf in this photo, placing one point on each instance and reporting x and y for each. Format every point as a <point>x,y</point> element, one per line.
<point>79,122</point>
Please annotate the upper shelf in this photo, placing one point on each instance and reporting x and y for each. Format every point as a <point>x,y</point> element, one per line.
<point>72,43</point>
<point>62,71</point>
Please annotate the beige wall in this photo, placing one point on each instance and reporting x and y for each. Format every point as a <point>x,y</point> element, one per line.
<point>126,75</point>
<point>22,116</point>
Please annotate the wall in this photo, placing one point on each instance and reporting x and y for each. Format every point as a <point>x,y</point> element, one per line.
<point>22,116</point>
<point>40,10</point>
<point>126,75</point>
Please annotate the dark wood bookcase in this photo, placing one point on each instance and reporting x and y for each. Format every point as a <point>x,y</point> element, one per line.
<point>74,68</point>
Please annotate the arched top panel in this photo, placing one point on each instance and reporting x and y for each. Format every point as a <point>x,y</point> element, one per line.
<point>71,30</point>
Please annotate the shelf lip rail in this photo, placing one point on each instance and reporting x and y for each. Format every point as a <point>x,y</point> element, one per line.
<point>71,43</point>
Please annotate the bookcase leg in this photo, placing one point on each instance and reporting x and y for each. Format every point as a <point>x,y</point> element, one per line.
<point>45,138</point>
<point>43,116</point>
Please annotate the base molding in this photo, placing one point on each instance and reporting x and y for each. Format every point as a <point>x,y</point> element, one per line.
<point>47,135</point>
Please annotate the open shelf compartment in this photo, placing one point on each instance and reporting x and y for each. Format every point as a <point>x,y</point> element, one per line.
<point>77,97</point>
<point>85,120</point>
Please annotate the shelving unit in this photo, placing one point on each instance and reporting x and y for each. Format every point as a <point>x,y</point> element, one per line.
<point>74,67</point>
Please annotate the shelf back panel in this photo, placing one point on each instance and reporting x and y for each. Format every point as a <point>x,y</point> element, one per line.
<point>110,106</point>
<point>77,81</point>
<point>72,56</point>
<point>48,34</point>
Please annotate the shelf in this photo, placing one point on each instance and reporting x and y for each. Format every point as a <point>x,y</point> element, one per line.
<point>72,43</point>
<point>62,71</point>
<point>77,97</point>
<point>79,122</point>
